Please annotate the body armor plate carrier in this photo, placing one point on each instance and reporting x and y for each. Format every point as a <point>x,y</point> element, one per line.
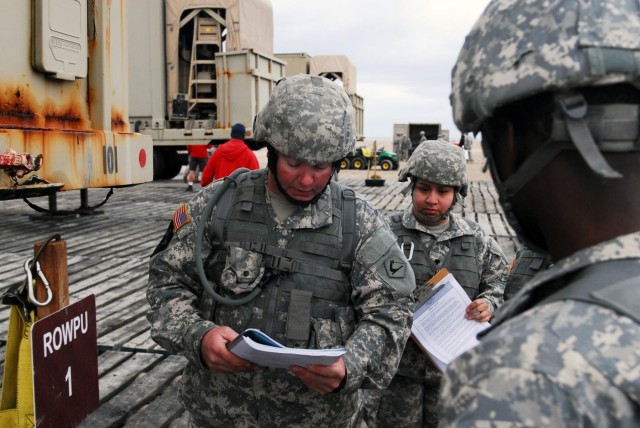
<point>306,297</point>
<point>460,260</point>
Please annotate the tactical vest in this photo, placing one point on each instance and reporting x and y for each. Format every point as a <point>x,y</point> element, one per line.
<point>461,260</point>
<point>526,265</point>
<point>306,297</point>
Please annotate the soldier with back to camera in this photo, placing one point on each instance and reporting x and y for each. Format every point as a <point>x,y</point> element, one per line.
<point>292,253</point>
<point>554,89</point>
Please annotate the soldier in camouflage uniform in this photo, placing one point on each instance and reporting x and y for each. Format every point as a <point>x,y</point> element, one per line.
<point>397,144</point>
<point>290,252</point>
<point>555,90</point>
<point>433,238</point>
<point>423,137</point>
<point>406,146</point>
<point>401,146</point>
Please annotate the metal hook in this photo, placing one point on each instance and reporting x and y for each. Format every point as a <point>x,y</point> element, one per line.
<point>411,247</point>
<point>31,283</point>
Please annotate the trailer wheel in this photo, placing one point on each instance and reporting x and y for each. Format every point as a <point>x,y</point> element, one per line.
<point>172,164</point>
<point>158,164</point>
<point>166,164</point>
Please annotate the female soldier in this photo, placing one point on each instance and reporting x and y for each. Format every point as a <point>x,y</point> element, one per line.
<point>433,237</point>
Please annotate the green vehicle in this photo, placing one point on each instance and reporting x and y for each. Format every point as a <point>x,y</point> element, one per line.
<point>362,157</point>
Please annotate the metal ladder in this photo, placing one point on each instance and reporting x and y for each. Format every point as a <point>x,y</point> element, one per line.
<point>202,74</point>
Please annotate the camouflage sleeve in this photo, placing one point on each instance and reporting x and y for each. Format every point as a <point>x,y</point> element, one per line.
<point>174,289</point>
<point>553,366</point>
<point>526,399</point>
<point>494,272</point>
<point>382,292</point>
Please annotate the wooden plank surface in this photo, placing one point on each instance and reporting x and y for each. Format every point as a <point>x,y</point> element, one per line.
<point>108,257</point>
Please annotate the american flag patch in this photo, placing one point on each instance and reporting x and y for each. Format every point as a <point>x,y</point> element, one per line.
<point>181,217</point>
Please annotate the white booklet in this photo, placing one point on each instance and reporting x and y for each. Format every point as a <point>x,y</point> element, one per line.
<point>255,346</point>
<point>439,326</point>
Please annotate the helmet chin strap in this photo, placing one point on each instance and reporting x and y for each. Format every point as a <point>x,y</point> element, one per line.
<point>571,131</point>
<point>429,220</point>
<point>272,161</point>
<point>505,196</point>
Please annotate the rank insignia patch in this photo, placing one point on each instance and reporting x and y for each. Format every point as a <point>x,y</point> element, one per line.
<point>181,217</point>
<point>396,267</point>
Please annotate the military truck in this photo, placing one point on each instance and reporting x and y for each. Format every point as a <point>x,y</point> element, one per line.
<point>412,130</point>
<point>64,121</point>
<point>196,68</point>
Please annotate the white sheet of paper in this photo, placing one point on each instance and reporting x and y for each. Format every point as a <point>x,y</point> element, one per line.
<point>440,327</point>
<point>282,357</point>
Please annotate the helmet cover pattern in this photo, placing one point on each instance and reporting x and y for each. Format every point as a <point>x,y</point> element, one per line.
<point>439,162</point>
<point>519,48</point>
<point>308,118</point>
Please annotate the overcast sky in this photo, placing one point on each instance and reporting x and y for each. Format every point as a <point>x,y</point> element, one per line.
<point>403,51</point>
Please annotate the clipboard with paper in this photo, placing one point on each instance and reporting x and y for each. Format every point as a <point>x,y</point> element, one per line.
<point>439,326</point>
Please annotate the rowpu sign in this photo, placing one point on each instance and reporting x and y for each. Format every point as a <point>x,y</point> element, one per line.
<point>65,365</point>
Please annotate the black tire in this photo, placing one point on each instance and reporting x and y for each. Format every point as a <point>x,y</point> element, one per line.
<point>158,164</point>
<point>172,165</point>
<point>386,165</point>
<point>374,182</point>
<point>359,163</point>
<point>345,163</point>
<point>166,164</point>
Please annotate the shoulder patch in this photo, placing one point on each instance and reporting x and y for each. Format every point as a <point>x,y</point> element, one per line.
<point>396,267</point>
<point>181,217</point>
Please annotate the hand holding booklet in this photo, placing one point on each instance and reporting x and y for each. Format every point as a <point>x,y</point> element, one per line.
<point>439,326</point>
<point>257,347</point>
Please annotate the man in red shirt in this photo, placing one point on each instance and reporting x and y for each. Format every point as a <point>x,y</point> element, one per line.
<point>198,157</point>
<point>229,156</point>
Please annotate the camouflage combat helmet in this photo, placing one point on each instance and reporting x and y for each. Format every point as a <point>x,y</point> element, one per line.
<point>438,162</point>
<point>308,118</point>
<point>519,48</point>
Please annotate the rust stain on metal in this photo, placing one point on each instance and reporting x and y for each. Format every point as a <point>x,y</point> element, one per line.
<point>75,145</point>
<point>16,107</point>
<point>63,120</point>
<point>118,124</point>
<point>67,113</point>
<point>91,96</point>
<point>21,109</point>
